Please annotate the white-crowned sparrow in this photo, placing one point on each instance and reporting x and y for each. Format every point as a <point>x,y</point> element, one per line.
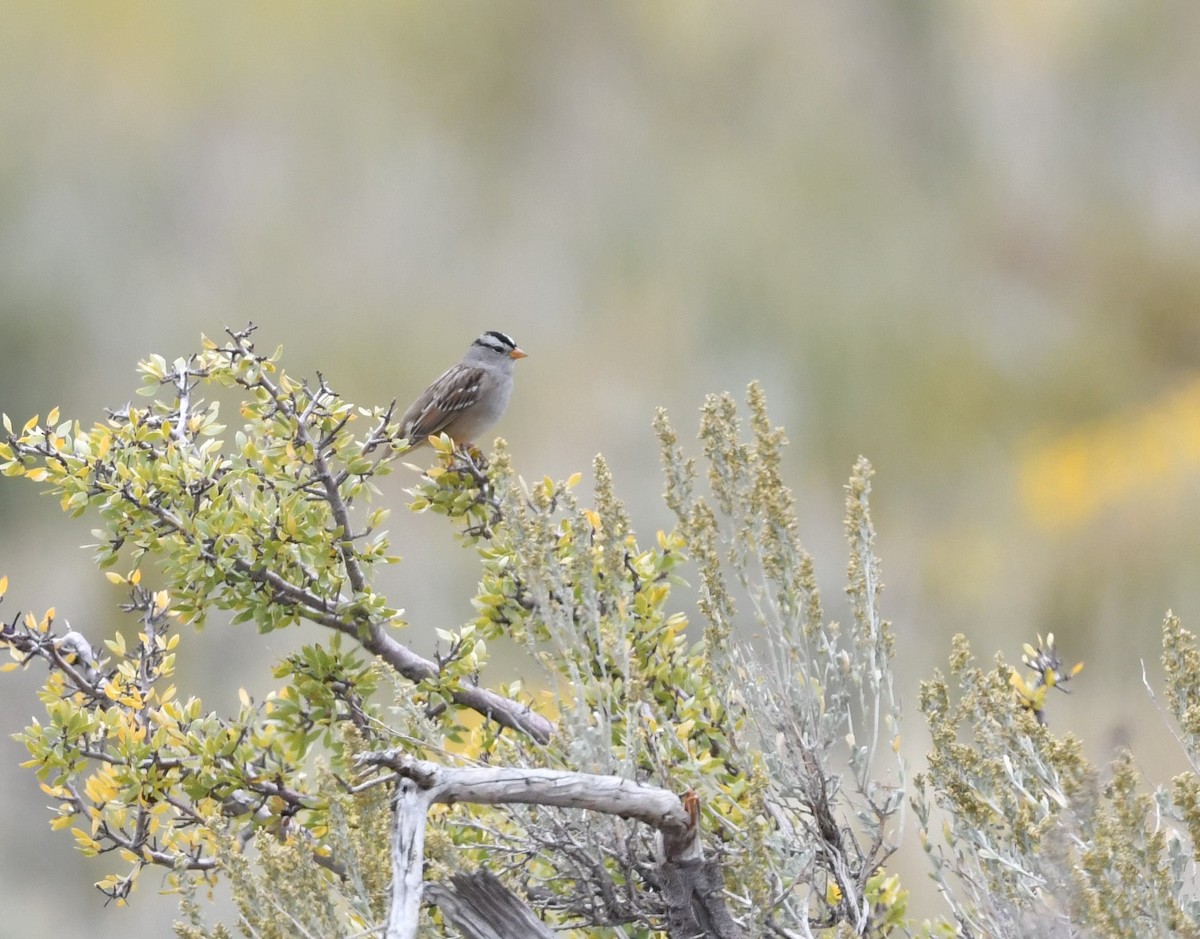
<point>470,397</point>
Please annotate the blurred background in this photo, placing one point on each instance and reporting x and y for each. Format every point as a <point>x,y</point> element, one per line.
<point>961,239</point>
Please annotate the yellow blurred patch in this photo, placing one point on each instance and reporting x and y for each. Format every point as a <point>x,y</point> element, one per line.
<point>1066,480</point>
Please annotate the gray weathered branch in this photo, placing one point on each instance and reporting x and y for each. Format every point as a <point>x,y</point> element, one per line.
<point>503,785</point>
<point>480,907</point>
<point>408,853</point>
<point>692,886</point>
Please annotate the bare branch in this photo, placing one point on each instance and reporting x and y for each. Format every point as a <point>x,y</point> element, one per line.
<point>693,886</point>
<point>505,785</point>
<point>408,849</point>
<point>481,907</point>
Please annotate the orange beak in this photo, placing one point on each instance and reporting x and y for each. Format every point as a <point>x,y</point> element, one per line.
<point>518,354</point>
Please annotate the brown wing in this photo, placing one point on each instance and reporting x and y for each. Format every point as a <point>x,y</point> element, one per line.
<point>441,403</point>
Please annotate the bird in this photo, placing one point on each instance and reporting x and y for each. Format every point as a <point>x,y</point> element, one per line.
<point>469,397</point>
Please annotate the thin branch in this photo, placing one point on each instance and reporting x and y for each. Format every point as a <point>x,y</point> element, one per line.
<point>315,608</point>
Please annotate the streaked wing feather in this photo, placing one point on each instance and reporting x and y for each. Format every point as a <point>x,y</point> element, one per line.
<point>442,401</point>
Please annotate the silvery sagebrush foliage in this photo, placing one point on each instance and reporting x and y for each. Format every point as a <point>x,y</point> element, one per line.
<point>1025,836</point>
<point>815,700</point>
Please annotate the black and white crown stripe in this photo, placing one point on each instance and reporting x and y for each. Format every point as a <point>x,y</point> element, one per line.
<point>496,341</point>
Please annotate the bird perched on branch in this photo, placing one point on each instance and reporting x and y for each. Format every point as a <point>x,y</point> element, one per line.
<point>469,397</point>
